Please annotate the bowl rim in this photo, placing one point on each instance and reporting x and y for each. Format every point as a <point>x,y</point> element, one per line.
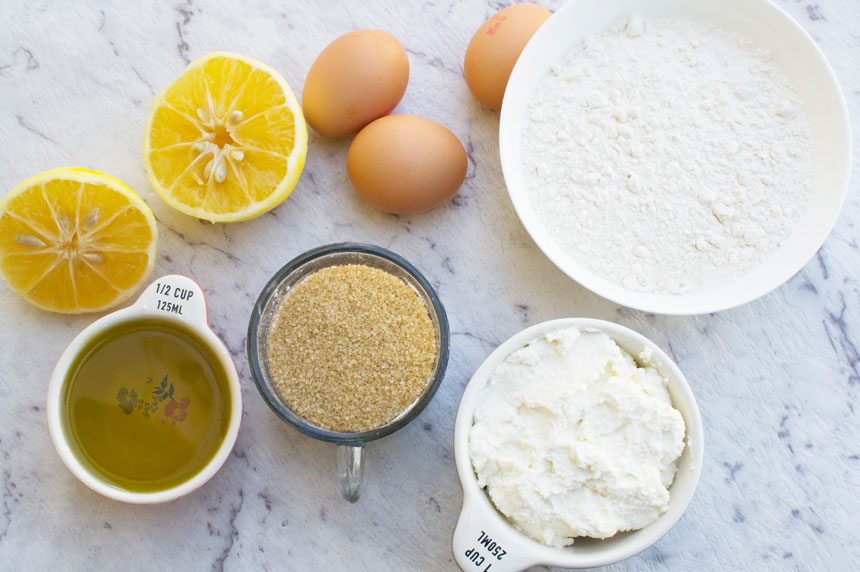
<point>253,344</point>
<point>698,302</point>
<point>694,443</point>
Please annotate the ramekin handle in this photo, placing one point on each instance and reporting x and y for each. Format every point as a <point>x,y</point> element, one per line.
<point>483,543</point>
<point>177,297</point>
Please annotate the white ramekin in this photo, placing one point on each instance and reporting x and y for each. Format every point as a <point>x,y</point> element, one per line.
<point>508,549</point>
<point>164,299</point>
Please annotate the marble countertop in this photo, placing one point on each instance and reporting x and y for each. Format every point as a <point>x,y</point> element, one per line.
<point>777,380</point>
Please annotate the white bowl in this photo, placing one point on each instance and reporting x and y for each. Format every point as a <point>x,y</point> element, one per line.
<point>479,519</point>
<point>794,51</point>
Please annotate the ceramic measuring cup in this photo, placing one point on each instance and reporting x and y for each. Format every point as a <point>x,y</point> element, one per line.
<point>485,541</point>
<point>169,300</point>
<point>350,446</point>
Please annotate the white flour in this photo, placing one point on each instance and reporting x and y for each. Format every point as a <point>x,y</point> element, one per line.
<point>668,156</point>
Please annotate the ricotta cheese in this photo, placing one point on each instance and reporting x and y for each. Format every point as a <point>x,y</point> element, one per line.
<point>572,438</point>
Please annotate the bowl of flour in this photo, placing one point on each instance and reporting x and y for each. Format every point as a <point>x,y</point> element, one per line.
<point>578,443</point>
<point>675,156</point>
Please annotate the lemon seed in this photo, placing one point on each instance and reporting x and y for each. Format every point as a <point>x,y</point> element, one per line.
<point>65,223</point>
<point>220,172</point>
<point>94,257</point>
<point>92,218</point>
<point>30,240</point>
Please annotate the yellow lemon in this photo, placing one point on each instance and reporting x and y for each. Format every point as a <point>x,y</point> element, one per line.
<point>226,141</point>
<point>74,240</point>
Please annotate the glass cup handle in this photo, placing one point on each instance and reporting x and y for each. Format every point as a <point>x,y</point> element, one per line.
<point>350,459</point>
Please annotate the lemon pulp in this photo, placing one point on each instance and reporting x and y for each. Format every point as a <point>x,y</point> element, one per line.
<point>226,141</point>
<point>74,240</point>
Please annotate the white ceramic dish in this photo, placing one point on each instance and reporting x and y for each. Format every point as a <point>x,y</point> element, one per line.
<point>160,300</point>
<point>508,549</point>
<point>807,69</point>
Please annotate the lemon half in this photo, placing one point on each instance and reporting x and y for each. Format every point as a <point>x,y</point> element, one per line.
<point>226,141</point>
<point>74,240</point>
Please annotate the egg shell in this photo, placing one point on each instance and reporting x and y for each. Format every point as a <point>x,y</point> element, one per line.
<point>494,50</point>
<point>406,164</point>
<point>357,78</point>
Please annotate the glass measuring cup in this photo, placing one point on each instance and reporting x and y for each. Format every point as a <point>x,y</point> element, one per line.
<point>350,450</point>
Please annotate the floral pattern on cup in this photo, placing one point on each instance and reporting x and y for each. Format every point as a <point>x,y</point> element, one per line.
<point>175,410</point>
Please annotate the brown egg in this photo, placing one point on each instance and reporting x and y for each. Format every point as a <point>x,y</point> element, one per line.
<point>494,50</point>
<point>406,164</point>
<point>359,77</point>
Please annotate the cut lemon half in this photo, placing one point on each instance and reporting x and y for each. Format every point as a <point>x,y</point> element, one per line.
<point>226,141</point>
<point>74,240</point>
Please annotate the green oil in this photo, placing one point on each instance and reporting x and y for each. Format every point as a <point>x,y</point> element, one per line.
<point>146,405</point>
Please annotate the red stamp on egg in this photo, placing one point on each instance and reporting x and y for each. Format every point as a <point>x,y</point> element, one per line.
<point>499,19</point>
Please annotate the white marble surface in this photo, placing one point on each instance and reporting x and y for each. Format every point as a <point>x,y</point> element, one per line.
<point>777,380</point>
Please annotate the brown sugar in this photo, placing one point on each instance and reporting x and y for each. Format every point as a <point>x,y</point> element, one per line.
<point>350,347</point>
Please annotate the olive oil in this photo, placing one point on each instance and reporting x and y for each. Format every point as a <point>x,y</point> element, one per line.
<point>146,405</point>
